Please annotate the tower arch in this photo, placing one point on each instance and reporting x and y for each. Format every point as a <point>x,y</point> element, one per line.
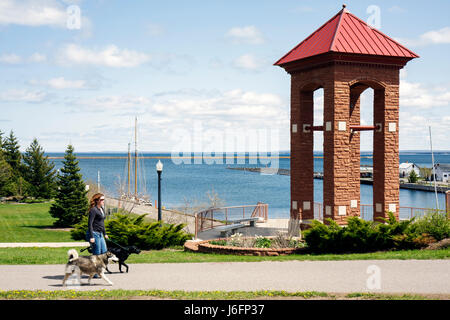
<point>344,56</point>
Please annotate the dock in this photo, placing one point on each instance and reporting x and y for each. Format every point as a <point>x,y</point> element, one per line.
<point>319,175</point>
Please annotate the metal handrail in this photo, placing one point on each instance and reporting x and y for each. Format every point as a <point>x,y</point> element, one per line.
<point>212,217</point>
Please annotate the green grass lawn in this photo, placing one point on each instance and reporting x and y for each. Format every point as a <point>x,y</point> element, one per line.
<point>59,256</point>
<point>29,223</point>
<point>204,295</point>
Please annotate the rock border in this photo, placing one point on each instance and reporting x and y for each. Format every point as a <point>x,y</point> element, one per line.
<point>205,247</point>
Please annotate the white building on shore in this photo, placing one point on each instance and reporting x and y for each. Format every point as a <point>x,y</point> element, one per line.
<point>406,168</point>
<point>442,171</point>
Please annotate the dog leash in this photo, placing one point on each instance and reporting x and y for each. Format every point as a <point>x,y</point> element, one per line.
<point>117,244</point>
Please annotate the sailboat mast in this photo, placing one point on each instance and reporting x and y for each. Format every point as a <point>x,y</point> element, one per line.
<point>434,171</point>
<point>129,169</point>
<point>135,158</point>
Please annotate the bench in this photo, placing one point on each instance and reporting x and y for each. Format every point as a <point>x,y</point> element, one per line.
<point>251,220</point>
<point>230,227</point>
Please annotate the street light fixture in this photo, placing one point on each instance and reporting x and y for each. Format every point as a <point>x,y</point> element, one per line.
<point>159,168</point>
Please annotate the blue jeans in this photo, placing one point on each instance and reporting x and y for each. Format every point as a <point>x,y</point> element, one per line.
<point>100,243</point>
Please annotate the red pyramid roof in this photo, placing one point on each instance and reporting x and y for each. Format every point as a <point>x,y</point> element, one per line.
<point>346,33</point>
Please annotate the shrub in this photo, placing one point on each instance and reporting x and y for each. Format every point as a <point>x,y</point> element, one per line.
<point>363,236</point>
<point>126,231</point>
<point>435,224</point>
<point>413,177</point>
<point>262,242</point>
<point>219,242</point>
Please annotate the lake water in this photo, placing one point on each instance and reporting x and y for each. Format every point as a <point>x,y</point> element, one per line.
<point>193,181</point>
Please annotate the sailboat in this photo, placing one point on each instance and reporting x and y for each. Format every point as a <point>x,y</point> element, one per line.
<point>139,196</point>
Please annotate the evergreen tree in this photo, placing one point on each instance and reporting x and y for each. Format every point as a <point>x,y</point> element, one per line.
<point>39,172</point>
<point>71,202</point>
<point>16,184</point>
<point>1,142</point>
<point>413,177</point>
<point>5,176</point>
<point>10,146</point>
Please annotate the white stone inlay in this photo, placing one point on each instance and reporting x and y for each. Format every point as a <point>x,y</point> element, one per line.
<point>306,205</point>
<point>392,127</point>
<point>378,207</point>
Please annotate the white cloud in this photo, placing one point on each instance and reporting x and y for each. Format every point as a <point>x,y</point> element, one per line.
<point>37,57</point>
<point>248,34</point>
<point>249,62</point>
<point>234,106</point>
<point>416,95</point>
<point>22,95</point>
<point>110,56</point>
<point>414,130</point>
<point>10,58</point>
<point>61,83</point>
<point>124,103</point>
<point>441,36</point>
<point>32,13</point>
<point>396,9</point>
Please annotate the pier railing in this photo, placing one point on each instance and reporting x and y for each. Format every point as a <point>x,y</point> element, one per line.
<point>215,217</point>
<point>367,210</point>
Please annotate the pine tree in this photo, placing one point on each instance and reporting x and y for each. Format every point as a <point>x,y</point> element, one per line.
<point>10,146</point>
<point>5,176</point>
<point>71,202</point>
<point>39,172</point>
<point>1,142</point>
<point>413,177</point>
<point>16,185</point>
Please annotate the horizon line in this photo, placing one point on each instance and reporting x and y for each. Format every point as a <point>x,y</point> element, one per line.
<point>225,152</point>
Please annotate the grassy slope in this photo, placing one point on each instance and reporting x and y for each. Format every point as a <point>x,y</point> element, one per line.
<point>28,223</point>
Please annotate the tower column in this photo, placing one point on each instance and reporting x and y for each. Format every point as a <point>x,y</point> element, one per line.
<point>302,159</point>
<point>336,151</point>
<point>386,192</point>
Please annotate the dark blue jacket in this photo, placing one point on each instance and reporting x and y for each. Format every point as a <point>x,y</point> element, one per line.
<point>96,222</point>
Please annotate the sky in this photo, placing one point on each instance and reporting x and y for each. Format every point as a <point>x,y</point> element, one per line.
<point>198,75</point>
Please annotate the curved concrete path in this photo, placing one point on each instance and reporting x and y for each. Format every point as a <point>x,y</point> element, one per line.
<point>376,276</point>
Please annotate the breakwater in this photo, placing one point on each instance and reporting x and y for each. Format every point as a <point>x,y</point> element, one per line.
<point>319,175</point>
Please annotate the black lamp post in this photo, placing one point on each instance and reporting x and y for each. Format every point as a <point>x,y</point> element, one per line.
<point>159,168</point>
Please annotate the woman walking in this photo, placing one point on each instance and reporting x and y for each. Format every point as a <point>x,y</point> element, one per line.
<point>96,224</point>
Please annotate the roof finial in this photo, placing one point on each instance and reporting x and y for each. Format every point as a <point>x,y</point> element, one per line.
<point>344,6</point>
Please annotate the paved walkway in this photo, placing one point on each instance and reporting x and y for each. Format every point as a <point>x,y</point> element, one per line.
<point>377,276</point>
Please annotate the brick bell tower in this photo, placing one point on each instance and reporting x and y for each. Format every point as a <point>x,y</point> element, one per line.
<point>345,56</point>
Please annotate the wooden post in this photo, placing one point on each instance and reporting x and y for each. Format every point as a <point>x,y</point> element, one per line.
<point>447,202</point>
<point>196,225</point>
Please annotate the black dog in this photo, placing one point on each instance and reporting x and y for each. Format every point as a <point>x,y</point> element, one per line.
<point>122,253</point>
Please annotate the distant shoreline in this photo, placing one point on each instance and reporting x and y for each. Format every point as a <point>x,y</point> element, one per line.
<point>319,175</point>
<point>224,152</point>
<point>188,157</point>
